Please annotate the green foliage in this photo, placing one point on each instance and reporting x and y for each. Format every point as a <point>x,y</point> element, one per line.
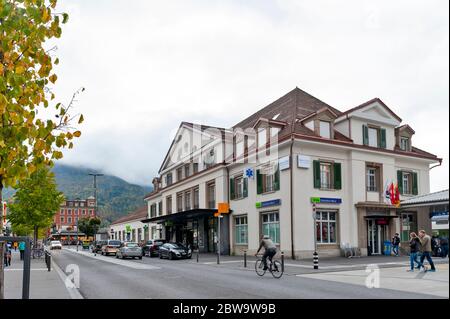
<point>27,141</point>
<point>35,202</point>
<point>89,226</point>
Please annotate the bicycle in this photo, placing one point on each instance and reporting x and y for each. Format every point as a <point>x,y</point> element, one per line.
<point>274,266</point>
<point>37,252</point>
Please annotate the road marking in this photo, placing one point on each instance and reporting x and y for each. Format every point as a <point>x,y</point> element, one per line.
<point>113,260</point>
<point>73,292</point>
<point>222,262</point>
<point>20,269</point>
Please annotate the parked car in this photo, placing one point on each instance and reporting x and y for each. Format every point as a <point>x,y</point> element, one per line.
<point>55,244</point>
<point>151,247</point>
<point>174,251</point>
<point>110,247</point>
<point>129,249</point>
<point>97,246</point>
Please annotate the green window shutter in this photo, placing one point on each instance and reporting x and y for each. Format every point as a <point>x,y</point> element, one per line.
<point>400,181</point>
<point>245,182</point>
<point>276,180</point>
<point>316,169</point>
<point>415,189</point>
<point>383,138</point>
<point>232,194</point>
<point>337,176</point>
<point>365,135</point>
<point>259,182</point>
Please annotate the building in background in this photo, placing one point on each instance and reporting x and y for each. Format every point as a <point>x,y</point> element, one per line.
<point>428,212</point>
<point>70,211</point>
<point>131,228</point>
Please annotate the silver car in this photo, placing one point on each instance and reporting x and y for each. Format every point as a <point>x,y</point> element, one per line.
<point>129,249</point>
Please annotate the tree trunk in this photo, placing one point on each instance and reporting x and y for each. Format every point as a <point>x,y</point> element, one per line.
<point>35,235</point>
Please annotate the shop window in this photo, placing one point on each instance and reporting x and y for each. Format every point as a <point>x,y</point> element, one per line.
<point>271,226</point>
<point>326,227</point>
<point>241,230</point>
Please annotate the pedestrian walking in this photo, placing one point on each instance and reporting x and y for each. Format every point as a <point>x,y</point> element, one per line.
<point>7,256</point>
<point>22,249</point>
<point>425,248</point>
<point>395,243</point>
<point>15,246</point>
<point>444,247</point>
<point>414,245</point>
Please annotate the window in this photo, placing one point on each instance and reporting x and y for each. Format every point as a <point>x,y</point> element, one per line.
<point>84,211</point>
<point>169,179</point>
<point>82,204</point>
<point>62,219</point>
<point>209,159</point>
<point>91,212</point>
<point>325,129</point>
<point>69,220</point>
<point>76,204</point>
<point>239,151</point>
<point>262,137</point>
<point>179,173</point>
<point>268,179</point>
<point>187,170</point>
<point>169,204</point>
<point>241,230</point>
<point>408,225</point>
<point>325,175</point>
<point>271,226</point>
<point>326,227</point>
<point>187,200</point>
<point>62,211</point>
<point>372,180</point>
<point>404,143</point>
<point>160,208</point>
<point>406,183</point>
<point>373,137</point>
<point>179,202</point>
<point>69,212</point>
<point>195,168</point>
<point>196,197</point>
<point>211,195</point>
<point>152,210</point>
<point>239,187</point>
<point>139,238</point>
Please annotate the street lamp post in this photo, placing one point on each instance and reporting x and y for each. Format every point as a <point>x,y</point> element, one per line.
<point>95,194</point>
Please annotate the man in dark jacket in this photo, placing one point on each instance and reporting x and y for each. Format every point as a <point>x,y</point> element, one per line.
<point>395,243</point>
<point>425,248</point>
<point>414,245</point>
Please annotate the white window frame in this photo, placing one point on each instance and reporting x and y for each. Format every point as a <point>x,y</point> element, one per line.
<point>326,175</point>
<point>325,131</point>
<point>326,221</point>
<point>271,221</point>
<point>237,228</point>
<point>373,136</point>
<point>373,174</point>
<point>404,143</point>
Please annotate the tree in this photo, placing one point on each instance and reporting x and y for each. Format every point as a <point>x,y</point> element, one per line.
<point>89,226</point>
<point>30,139</point>
<point>35,202</point>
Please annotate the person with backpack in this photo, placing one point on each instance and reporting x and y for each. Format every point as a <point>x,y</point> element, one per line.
<point>395,244</point>
<point>414,245</point>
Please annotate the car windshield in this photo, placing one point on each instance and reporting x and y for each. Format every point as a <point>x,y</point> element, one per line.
<point>114,243</point>
<point>177,246</point>
<point>159,243</point>
<point>131,244</point>
<point>56,242</point>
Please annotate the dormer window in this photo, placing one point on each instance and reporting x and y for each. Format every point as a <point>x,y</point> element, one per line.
<point>262,137</point>
<point>404,143</point>
<point>374,136</point>
<point>325,129</point>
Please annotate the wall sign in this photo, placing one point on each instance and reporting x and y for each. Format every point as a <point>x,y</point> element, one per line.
<point>249,173</point>
<point>283,163</point>
<point>303,161</point>
<point>325,200</point>
<point>273,202</point>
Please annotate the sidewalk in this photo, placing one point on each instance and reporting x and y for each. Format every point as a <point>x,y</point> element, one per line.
<point>328,264</point>
<point>44,284</point>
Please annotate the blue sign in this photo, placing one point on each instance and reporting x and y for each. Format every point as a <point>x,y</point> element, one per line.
<point>273,202</point>
<point>432,214</point>
<point>325,200</point>
<point>249,173</point>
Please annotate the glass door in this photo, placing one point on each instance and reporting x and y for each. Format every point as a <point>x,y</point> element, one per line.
<point>373,237</point>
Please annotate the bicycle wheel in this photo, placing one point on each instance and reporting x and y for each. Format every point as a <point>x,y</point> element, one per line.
<point>276,269</point>
<point>259,267</point>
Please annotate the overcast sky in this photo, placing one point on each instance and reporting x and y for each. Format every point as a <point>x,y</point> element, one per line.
<point>148,65</point>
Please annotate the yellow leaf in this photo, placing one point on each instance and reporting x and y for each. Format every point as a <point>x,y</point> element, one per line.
<point>20,69</point>
<point>53,78</point>
<point>77,133</point>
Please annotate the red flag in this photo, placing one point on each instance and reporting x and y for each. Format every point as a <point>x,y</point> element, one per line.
<point>397,196</point>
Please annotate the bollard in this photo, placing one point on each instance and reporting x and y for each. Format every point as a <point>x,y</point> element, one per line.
<point>245,259</point>
<point>48,260</point>
<point>198,250</point>
<point>316,260</point>
<point>282,261</point>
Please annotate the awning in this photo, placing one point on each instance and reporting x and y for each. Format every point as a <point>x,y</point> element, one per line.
<point>182,216</point>
<point>380,216</point>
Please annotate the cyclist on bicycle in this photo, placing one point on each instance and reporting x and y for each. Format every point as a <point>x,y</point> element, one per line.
<point>270,249</point>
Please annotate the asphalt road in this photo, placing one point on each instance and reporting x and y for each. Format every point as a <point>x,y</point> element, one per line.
<point>106,277</point>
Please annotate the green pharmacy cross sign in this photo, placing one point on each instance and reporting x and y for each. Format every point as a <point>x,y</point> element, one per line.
<point>128,228</point>
<point>325,200</point>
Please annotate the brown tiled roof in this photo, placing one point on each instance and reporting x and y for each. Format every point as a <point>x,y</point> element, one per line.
<point>137,215</point>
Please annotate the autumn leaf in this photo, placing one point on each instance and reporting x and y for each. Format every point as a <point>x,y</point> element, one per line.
<point>77,133</point>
